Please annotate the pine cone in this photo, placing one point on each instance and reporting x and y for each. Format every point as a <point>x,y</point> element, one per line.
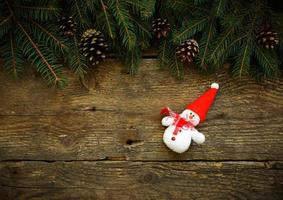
<point>268,38</point>
<point>93,46</point>
<point>160,27</point>
<point>187,51</point>
<point>67,26</point>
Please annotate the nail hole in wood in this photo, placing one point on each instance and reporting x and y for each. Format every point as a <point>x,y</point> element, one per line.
<point>129,142</point>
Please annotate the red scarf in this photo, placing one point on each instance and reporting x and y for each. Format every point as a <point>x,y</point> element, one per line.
<point>179,122</point>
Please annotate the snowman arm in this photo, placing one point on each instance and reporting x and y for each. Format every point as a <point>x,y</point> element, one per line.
<point>167,121</point>
<point>197,137</point>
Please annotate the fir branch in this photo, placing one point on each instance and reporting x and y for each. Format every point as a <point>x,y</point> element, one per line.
<point>163,59</point>
<point>244,61</point>
<point>177,68</point>
<point>5,25</point>
<point>143,7</point>
<point>237,40</point>
<point>188,5</point>
<point>189,29</point>
<point>36,8</point>
<point>244,54</point>
<point>221,45</point>
<point>141,27</point>
<point>104,7</point>
<point>132,60</point>
<point>78,10</point>
<point>126,27</point>
<point>41,11</point>
<point>198,2</point>
<point>10,9</point>
<point>220,7</point>
<point>56,41</point>
<point>5,20</point>
<point>13,63</point>
<point>13,59</point>
<point>54,77</point>
<point>209,36</point>
<point>77,61</point>
<point>142,33</point>
<point>267,61</point>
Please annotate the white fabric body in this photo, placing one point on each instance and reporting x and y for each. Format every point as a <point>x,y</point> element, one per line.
<point>182,141</point>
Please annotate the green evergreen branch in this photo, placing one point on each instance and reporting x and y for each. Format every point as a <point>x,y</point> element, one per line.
<point>221,44</point>
<point>122,20</point>
<point>245,55</point>
<point>190,5</point>
<point>44,60</point>
<point>237,40</point>
<point>177,68</point>
<point>132,59</point>
<point>13,61</point>
<point>206,44</point>
<point>122,17</point>
<point>142,33</point>
<point>10,9</point>
<point>13,56</point>
<point>267,61</point>
<point>79,11</point>
<point>36,8</point>
<point>76,61</point>
<point>179,37</point>
<point>5,26</point>
<point>57,41</point>
<point>167,58</point>
<point>143,7</point>
<point>162,53</point>
<point>132,63</point>
<point>5,20</point>
<point>243,59</point>
<point>140,26</point>
<point>42,13</point>
<point>107,19</point>
<point>218,7</point>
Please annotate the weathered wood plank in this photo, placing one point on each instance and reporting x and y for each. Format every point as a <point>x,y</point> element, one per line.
<point>112,89</point>
<point>122,136</point>
<point>38,123</point>
<point>141,180</point>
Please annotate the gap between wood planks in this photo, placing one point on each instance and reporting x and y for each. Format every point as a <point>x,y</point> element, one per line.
<point>86,109</point>
<point>269,164</point>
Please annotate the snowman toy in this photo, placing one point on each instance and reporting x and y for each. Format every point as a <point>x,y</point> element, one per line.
<point>181,127</point>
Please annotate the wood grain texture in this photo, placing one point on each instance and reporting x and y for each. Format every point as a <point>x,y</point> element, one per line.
<point>105,142</point>
<point>141,180</point>
<point>118,117</point>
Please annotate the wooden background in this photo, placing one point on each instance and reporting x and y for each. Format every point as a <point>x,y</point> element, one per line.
<point>106,142</point>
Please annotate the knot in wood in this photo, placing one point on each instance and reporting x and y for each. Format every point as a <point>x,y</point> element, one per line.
<point>150,177</point>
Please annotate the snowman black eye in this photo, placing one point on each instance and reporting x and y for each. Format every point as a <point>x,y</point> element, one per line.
<point>193,115</point>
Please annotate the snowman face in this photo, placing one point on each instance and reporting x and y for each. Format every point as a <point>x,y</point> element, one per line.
<point>190,116</point>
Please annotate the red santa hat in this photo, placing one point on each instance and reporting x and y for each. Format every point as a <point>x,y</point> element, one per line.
<point>201,105</point>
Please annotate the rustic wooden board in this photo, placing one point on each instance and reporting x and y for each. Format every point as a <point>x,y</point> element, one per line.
<point>92,136</point>
<point>142,180</point>
<point>105,142</point>
<point>118,118</point>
